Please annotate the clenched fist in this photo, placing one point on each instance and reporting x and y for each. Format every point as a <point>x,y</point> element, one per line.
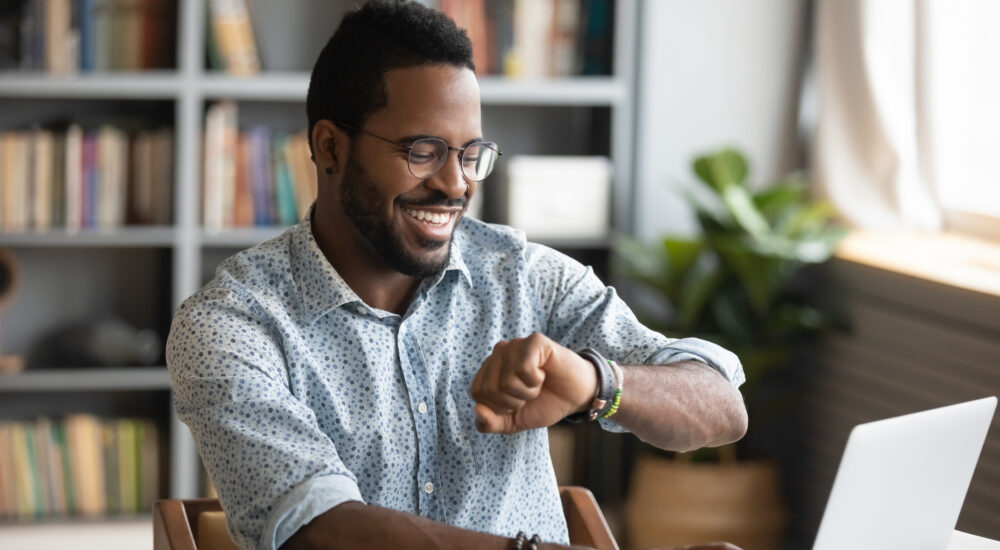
<point>529,383</point>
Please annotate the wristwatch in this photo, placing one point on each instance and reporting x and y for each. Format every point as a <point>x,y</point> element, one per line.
<point>606,387</point>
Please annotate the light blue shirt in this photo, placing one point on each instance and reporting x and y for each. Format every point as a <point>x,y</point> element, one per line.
<point>301,397</point>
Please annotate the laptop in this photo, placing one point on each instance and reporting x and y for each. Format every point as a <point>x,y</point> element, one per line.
<point>902,481</point>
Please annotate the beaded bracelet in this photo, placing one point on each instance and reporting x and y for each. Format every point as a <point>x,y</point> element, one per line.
<point>620,376</point>
<point>522,539</point>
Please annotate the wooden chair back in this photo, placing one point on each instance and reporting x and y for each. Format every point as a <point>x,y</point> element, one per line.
<point>190,524</point>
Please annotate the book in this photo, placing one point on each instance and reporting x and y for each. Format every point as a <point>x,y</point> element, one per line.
<point>68,486</point>
<point>262,180</point>
<point>43,478</point>
<point>8,495</point>
<point>232,37</point>
<point>23,471</point>
<point>284,186</point>
<point>54,466</point>
<point>85,12</point>
<point>140,196</point>
<point>57,204</point>
<point>127,465</point>
<point>163,177</point>
<point>149,441</point>
<point>305,175</point>
<point>57,35</point>
<point>74,178</point>
<point>41,184</point>
<point>243,210</point>
<point>104,32</point>
<point>19,203</point>
<point>88,188</point>
<point>85,438</point>
<point>109,452</point>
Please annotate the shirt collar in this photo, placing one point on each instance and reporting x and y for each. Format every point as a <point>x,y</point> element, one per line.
<point>322,289</point>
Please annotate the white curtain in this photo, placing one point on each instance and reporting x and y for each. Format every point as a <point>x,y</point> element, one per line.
<point>872,157</point>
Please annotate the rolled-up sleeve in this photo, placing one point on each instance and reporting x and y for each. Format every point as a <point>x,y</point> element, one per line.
<point>273,467</point>
<point>584,312</point>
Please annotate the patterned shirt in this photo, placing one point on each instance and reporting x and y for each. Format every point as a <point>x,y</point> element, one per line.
<point>301,397</point>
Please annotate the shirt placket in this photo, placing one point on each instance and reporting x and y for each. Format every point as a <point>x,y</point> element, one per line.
<point>422,408</point>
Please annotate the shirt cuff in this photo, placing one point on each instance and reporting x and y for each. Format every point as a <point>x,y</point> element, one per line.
<point>303,503</point>
<point>696,349</point>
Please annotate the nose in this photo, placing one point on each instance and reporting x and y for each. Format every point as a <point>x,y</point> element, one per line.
<point>449,179</point>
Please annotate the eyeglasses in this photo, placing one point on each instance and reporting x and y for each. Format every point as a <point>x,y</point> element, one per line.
<point>426,156</point>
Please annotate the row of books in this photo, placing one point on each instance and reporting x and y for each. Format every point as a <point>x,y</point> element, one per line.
<point>80,465</point>
<point>257,177</point>
<point>537,38</point>
<point>66,36</point>
<point>78,178</point>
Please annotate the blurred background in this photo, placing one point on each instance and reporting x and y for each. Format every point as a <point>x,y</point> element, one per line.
<point>809,182</point>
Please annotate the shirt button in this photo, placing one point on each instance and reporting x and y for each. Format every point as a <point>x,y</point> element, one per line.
<point>422,409</point>
<point>428,487</point>
<point>362,310</point>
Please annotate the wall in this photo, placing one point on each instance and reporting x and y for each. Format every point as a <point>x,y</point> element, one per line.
<point>712,73</point>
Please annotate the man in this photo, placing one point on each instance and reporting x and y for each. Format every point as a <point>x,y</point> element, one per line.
<point>381,375</point>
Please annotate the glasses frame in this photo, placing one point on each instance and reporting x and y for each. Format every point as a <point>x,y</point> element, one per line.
<point>409,151</point>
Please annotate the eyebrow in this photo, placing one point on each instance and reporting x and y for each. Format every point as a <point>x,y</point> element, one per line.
<point>415,137</point>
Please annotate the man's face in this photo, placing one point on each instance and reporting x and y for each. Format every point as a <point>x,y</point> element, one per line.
<point>409,222</point>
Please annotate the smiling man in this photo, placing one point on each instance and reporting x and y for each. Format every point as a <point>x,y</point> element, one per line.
<point>382,375</point>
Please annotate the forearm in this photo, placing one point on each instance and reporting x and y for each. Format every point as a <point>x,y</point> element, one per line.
<point>681,407</point>
<point>356,525</point>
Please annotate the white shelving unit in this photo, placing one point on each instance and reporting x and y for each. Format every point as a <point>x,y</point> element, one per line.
<point>192,250</point>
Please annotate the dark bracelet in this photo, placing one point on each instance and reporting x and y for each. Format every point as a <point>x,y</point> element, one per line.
<point>522,542</point>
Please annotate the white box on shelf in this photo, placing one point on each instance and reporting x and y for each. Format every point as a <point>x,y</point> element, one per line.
<point>559,197</point>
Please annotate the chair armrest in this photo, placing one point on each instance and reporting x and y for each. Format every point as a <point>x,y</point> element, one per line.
<point>584,519</point>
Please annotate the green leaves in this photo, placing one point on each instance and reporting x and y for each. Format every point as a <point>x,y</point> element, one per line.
<point>723,169</point>
<point>731,283</point>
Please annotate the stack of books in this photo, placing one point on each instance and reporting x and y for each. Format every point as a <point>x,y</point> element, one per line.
<point>79,178</point>
<point>78,466</point>
<point>258,177</point>
<point>66,36</point>
<point>537,38</point>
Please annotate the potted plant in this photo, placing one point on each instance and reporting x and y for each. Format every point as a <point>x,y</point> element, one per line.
<point>736,283</point>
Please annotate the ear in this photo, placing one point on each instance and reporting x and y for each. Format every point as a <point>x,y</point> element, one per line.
<point>330,147</point>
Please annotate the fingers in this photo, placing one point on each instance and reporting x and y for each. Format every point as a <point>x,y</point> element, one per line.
<point>510,376</point>
<point>489,421</point>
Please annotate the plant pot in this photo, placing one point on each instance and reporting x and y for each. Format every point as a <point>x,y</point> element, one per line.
<point>677,502</point>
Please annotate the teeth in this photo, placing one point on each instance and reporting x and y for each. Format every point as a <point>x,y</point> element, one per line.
<point>431,217</point>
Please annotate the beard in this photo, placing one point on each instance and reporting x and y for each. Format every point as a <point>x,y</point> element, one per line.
<point>360,201</point>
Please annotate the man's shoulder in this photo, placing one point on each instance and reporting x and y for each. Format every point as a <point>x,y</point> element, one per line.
<point>254,272</point>
<point>485,246</point>
<point>473,234</point>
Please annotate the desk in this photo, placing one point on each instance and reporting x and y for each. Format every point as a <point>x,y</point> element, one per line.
<point>965,541</point>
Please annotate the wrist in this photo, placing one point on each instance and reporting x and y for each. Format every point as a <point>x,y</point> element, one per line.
<point>606,385</point>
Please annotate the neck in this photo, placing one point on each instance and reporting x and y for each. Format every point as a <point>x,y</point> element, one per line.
<point>362,269</point>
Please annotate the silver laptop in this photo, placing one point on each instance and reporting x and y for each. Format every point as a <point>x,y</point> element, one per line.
<point>902,481</point>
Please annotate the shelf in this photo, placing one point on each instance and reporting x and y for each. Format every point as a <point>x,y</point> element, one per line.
<point>87,379</point>
<point>123,237</point>
<point>593,91</point>
<point>239,237</point>
<point>578,91</point>
<point>265,86</point>
<point>601,243</point>
<point>144,85</point>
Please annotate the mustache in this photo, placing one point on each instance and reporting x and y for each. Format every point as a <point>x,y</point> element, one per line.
<point>438,199</point>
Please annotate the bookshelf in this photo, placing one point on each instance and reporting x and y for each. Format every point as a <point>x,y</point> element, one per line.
<point>142,273</point>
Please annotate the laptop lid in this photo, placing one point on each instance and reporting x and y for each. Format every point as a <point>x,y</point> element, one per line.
<point>902,481</point>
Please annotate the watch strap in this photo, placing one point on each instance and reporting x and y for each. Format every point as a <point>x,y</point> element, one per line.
<point>607,384</point>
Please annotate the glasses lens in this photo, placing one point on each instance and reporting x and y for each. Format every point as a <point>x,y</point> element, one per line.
<point>478,160</point>
<point>427,156</point>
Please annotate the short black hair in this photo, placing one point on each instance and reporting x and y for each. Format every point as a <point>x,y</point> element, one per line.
<point>348,80</point>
